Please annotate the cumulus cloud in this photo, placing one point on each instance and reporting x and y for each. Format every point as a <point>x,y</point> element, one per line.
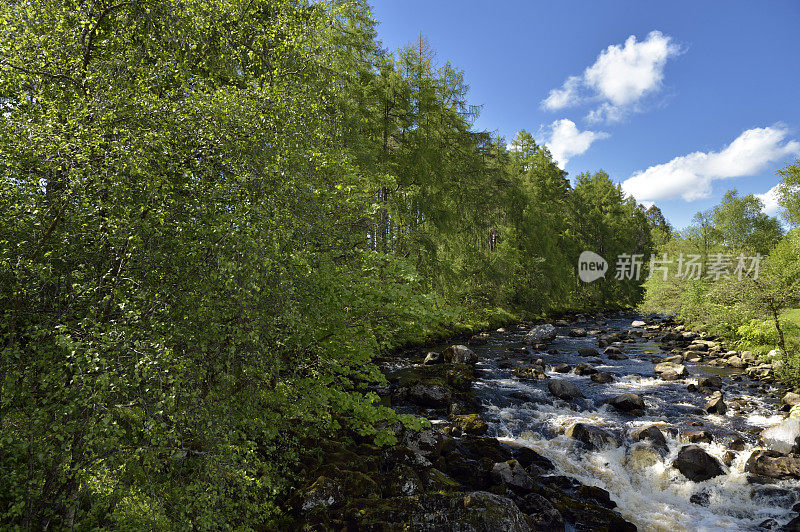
<point>565,140</point>
<point>770,200</point>
<point>620,77</point>
<point>691,176</point>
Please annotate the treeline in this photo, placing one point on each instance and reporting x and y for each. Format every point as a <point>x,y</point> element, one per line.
<point>735,271</point>
<point>213,215</point>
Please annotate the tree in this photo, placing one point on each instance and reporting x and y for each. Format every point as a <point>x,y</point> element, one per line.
<point>789,193</point>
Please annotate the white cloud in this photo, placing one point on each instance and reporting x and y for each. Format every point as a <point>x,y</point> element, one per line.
<point>691,176</point>
<point>620,77</point>
<point>770,199</point>
<point>565,140</point>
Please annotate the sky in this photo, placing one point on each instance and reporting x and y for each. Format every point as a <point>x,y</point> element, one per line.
<point>678,101</point>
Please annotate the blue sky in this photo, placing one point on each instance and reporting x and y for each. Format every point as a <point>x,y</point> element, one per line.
<point>679,101</point>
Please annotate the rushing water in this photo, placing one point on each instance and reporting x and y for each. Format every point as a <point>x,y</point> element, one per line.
<point>648,491</point>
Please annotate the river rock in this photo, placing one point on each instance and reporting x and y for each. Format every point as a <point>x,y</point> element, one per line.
<point>541,513</point>
<point>736,362</point>
<point>541,334</point>
<point>784,437</point>
<point>591,436</point>
<point>772,464</point>
<point>651,433</point>
<point>791,399</point>
<point>617,356</point>
<point>602,377</point>
<point>696,464</point>
<point>638,323</point>
<point>697,436</point>
<point>470,424</point>
<point>698,347</point>
<point>512,474</point>
<point>712,382</point>
<point>459,354</point>
<point>716,405</point>
<point>612,350</point>
<point>584,368</point>
<point>577,333</point>
<point>562,368</point>
<point>563,389</point>
<point>679,369</point>
<point>433,358</point>
<point>629,403</point>
<point>588,352</point>
<point>670,375</point>
<point>430,395</point>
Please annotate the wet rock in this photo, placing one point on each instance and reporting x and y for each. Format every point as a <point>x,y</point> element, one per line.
<point>433,358</point>
<point>459,354</point>
<point>783,437</point>
<point>638,323</point>
<point>773,497</point>
<point>592,436</point>
<point>697,436</point>
<point>584,368</point>
<point>588,352</point>
<point>602,377</point>
<point>651,433</point>
<point>772,464</point>
<point>670,375</point>
<point>534,373</point>
<point>541,334</point>
<point>629,403</point>
<point>562,368</point>
<point>435,480</point>
<point>541,513</point>
<point>471,424</point>
<point>618,356</point>
<point>563,389</point>
<point>577,333</point>
<point>713,382</point>
<point>612,350</point>
<point>728,458</point>
<point>696,464</point>
<point>701,498</point>
<point>430,395</point>
<point>402,479</point>
<point>698,347</point>
<point>791,399</point>
<point>716,405</point>
<point>679,369</point>
<point>512,474</point>
<point>535,463</point>
<point>674,359</point>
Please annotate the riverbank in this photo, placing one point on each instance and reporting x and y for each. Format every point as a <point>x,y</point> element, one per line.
<point>551,427</point>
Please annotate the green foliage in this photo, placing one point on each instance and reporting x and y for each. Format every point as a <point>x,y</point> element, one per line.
<point>214,215</point>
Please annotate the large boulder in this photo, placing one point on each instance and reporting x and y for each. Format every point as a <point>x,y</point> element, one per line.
<point>696,464</point>
<point>541,334</point>
<point>430,395</point>
<point>772,464</point>
<point>511,473</point>
<point>591,436</point>
<point>459,354</point>
<point>588,352</point>
<point>470,424</point>
<point>783,437</point>
<point>791,399</point>
<point>563,389</point>
<point>630,403</point>
<point>541,513</point>
<point>713,382</point>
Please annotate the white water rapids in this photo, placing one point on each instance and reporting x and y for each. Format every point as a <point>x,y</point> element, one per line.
<point>649,492</point>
